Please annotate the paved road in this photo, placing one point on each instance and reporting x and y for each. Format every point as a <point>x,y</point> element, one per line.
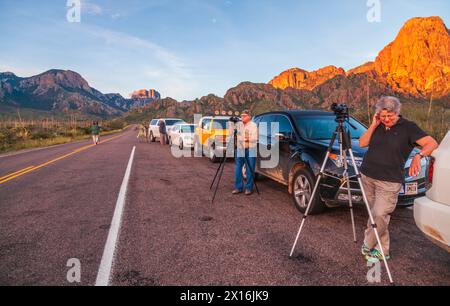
<point>170,232</point>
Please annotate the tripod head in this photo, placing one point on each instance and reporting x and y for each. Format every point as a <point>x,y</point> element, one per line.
<point>341,111</point>
<point>343,116</point>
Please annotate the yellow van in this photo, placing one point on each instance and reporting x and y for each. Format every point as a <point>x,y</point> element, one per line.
<point>211,137</point>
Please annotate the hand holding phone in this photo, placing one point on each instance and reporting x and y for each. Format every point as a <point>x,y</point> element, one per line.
<point>376,120</point>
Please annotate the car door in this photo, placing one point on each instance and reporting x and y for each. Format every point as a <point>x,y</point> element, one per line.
<point>283,139</point>
<point>264,142</point>
<point>156,129</point>
<point>175,135</point>
<point>206,131</point>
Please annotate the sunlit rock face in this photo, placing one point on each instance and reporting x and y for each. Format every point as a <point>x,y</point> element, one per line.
<point>146,94</point>
<point>301,79</point>
<point>417,61</point>
<point>415,64</point>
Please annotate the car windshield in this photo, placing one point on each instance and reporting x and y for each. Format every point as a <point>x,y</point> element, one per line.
<point>187,129</point>
<point>322,127</point>
<point>170,122</point>
<point>220,124</point>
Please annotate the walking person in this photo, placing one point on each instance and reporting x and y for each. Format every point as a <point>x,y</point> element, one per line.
<point>391,139</point>
<point>142,132</point>
<point>146,130</point>
<point>95,132</point>
<point>247,140</point>
<point>162,132</point>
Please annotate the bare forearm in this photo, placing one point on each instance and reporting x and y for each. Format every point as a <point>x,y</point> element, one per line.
<point>429,147</point>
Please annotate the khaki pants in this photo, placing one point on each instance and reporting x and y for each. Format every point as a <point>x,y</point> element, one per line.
<point>382,197</point>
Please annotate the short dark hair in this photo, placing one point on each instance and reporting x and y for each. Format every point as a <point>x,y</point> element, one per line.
<point>246,112</point>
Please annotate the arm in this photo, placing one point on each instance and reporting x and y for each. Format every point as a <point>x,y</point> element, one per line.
<point>254,135</point>
<point>428,144</point>
<point>364,141</point>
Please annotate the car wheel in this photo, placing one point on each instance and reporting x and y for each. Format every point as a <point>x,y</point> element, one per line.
<point>303,185</point>
<point>180,146</point>
<point>152,138</point>
<point>212,154</point>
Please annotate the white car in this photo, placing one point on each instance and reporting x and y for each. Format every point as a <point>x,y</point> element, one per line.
<point>182,135</point>
<point>154,128</point>
<point>432,212</point>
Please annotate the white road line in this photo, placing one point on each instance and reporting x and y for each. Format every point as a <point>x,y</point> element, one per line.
<point>106,265</point>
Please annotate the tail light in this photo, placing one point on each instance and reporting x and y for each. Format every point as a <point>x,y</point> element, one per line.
<point>430,173</point>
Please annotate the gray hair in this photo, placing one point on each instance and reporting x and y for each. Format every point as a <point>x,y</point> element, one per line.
<point>391,104</point>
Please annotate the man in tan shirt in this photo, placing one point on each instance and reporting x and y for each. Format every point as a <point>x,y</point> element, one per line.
<point>247,140</point>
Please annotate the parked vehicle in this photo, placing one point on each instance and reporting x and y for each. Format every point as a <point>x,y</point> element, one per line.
<point>303,139</point>
<point>432,212</point>
<point>182,135</point>
<point>154,128</point>
<point>211,137</point>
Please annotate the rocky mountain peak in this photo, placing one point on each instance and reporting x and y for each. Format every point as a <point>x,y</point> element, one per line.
<point>417,61</point>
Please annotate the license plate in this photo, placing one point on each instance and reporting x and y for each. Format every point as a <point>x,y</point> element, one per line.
<point>409,189</point>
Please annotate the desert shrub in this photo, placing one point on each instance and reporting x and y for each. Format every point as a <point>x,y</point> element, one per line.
<point>116,124</point>
<point>42,134</point>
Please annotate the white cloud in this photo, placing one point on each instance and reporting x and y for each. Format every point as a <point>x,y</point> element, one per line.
<point>91,8</point>
<point>154,65</point>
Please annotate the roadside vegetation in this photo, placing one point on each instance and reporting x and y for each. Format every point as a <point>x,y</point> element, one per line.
<point>25,134</point>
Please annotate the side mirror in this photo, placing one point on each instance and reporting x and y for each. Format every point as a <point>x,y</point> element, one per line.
<point>284,137</point>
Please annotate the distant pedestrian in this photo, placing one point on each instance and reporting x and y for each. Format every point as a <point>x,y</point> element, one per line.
<point>147,135</point>
<point>95,131</point>
<point>162,132</point>
<point>142,133</point>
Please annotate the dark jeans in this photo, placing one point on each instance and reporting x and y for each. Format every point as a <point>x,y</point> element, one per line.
<point>239,163</point>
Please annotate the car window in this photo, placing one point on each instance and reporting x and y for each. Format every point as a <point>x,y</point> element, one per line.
<point>264,128</point>
<point>220,124</point>
<point>205,124</point>
<point>187,129</point>
<point>285,126</point>
<point>322,127</point>
<point>154,121</point>
<point>170,122</point>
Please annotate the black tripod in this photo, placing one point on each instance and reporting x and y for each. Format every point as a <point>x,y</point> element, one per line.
<point>345,147</point>
<point>219,171</point>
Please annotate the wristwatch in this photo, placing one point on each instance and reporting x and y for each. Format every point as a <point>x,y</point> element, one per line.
<point>421,154</point>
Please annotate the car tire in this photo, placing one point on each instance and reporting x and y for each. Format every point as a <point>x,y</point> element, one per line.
<point>302,187</point>
<point>152,138</point>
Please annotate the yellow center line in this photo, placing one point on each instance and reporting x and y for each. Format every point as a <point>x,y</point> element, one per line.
<point>29,169</point>
<point>17,172</point>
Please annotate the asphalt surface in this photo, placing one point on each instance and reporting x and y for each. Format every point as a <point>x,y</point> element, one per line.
<point>171,233</point>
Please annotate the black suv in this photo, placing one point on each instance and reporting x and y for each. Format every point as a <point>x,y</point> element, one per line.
<point>303,139</point>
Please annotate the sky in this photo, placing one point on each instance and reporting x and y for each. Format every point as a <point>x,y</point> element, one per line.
<point>187,49</point>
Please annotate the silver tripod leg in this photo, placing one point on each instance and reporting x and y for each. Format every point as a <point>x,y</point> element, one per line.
<point>350,201</point>
<point>372,221</point>
<point>310,201</point>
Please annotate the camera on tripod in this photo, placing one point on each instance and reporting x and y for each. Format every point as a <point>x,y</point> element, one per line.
<point>234,119</point>
<point>341,111</point>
